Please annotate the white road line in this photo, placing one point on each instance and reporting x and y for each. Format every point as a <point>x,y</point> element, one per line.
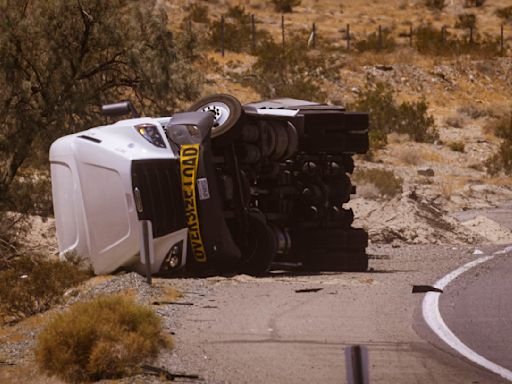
<point>432,316</point>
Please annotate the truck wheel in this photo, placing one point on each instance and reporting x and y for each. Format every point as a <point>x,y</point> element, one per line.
<point>260,251</point>
<point>226,109</point>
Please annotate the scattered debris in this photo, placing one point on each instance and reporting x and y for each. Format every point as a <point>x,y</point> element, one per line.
<point>157,371</point>
<point>383,67</point>
<point>308,290</point>
<point>425,288</point>
<point>170,303</point>
<point>428,172</point>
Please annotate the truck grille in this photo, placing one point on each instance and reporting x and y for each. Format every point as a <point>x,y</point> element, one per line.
<point>157,181</point>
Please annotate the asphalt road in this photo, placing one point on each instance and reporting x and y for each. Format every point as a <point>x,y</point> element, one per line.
<point>477,307</point>
<point>245,330</point>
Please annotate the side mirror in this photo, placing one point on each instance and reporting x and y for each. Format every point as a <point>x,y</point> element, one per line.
<point>119,109</point>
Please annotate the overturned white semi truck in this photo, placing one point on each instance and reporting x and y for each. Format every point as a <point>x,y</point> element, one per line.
<point>222,187</point>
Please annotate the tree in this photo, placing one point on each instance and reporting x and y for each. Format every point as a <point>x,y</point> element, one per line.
<point>61,59</point>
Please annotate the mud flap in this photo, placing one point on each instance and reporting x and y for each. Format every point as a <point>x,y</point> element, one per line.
<point>211,243</point>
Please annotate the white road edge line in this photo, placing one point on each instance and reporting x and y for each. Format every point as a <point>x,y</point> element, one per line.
<point>432,316</point>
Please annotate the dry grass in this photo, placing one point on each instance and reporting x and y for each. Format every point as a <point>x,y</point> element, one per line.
<point>431,156</point>
<point>386,183</point>
<point>108,337</point>
<point>409,155</point>
<point>33,284</point>
<point>450,184</point>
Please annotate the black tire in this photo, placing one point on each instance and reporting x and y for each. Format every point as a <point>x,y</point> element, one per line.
<point>227,110</point>
<point>259,253</point>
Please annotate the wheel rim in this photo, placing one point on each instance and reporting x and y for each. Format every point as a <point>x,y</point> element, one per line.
<point>221,113</point>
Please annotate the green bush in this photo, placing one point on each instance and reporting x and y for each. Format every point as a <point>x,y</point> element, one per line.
<point>429,40</point>
<point>384,180</point>
<point>29,285</point>
<point>285,6</point>
<point>501,161</point>
<point>387,116</point>
<point>374,43</point>
<point>237,31</point>
<point>106,338</point>
<point>292,71</point>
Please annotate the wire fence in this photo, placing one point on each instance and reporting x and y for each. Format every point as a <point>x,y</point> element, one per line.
<point>382,37</point>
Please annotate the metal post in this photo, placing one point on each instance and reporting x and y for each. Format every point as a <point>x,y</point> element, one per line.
<point>146,250</point>
<point>410,36</point>
<point>253,33</point>
<point>380,37</point>
<point>222,35</point>
<point>356,365</point>
<point>313,36</point>
<point>502,45</point>
<point>470,35</point>
<point>282,29</point>
<point>443,33</point>
<point>348,37</point>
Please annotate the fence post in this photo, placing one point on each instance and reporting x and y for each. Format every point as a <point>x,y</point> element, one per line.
<point>313,36</point>
<point>470,35</point>
<point>222,35</point>
<point>502,45</point>
<point>348,37</point>
<point>253,34</point>
<point>282,29</point>
<point>410,36</point>
<point>443,33</point>
<point>380,37</point>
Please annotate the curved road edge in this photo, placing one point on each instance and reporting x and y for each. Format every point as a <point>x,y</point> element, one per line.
<point>433,318</point>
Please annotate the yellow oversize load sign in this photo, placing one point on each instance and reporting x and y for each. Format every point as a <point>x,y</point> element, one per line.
<point>189,157</point>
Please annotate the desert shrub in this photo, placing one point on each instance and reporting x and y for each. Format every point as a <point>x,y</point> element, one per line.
<point>436,5</point>
<point>501,161</point>
<point>292,71</point>
<point>237,31</point>
<point>466,21</point>
<point>472,111</point>
<point>432,41</point>
<point>456,146</point>
<point>198,13</point>
<point>505,13</point>
<point>108,337</point>
<point>454,121</point>
<point>375,43</point>
<point>32,284</point>
<point>285,6</point>
<point>387,116</point>
<point>409,156</point>
<point>86,56</point>
<point>384,180</point>
<point>414,120</point>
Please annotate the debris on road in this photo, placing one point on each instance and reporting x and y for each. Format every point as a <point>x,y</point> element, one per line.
<point>425,288</point>
<point>308,290</point>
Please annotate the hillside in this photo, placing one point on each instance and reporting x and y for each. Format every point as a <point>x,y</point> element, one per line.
<point>467,94</point>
